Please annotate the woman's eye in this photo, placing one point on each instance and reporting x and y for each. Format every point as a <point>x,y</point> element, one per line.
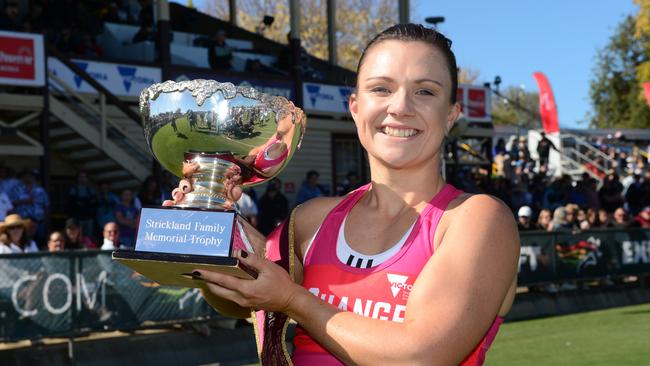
<point>379,89</point>
<point>425,92</point>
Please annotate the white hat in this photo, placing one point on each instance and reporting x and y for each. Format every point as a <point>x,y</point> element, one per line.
<point>525,211</point>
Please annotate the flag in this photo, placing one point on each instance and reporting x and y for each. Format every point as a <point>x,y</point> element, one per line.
<point>547,106</point>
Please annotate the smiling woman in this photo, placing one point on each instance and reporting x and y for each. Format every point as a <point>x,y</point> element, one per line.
<point>406,269</point>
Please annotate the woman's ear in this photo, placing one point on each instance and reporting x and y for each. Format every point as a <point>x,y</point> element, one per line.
<point>452,116</point>
<point>353,106</point>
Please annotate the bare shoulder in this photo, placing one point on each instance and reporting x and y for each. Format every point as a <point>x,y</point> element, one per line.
<point>311,214</point>
<point>483,215</point>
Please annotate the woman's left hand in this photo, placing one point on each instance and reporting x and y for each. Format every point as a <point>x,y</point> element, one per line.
<point>272,290</point>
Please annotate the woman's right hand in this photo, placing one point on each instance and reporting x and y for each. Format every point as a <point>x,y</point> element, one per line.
<point>232,183</point>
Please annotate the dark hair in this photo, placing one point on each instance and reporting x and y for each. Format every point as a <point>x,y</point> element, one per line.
<point>417,32</point>
<point>312,173</point>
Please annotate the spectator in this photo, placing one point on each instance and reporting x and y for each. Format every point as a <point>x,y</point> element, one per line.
<point>5,205</point>
<point>560,222</point>
<point>150,193</point>
<point>75,238</point>
<point>642,220</point>
<point>248,208</point>
<point>127,218</point>
<point>620,218</point>
<point>571,211</point>
<point>524,219</point>
<point>7,180</point>
<point>635,194</point>
<point>310,188</point>
<point>13,236</point>
<point>219,53</point>
<point>56,242</point>
<point>603,219</point>
<point>274,207</point>
<point>350,183</point>
<point>9,18</point>
<point>106,202</point>
<point>582,220</point>
<point>30,201</point>
<point>610,194</point>
<point>111,235</point>
<point>544,149</point>
<point>544,220</point>
<point>82,203</point>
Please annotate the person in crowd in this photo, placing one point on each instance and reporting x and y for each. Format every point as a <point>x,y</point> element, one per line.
<point>310,188</point>
<point>544,220</point>
<point>544,147</point>
<point>13,236</point>
<point>604,219</point>
<point>10,17</point>
<point>126,215</point>
<point>248,208</point>
<point>350,183</point>
<point>635,193</point>
<point>111,235</point>
<point>150,194</point>
<point>620,218</point>
<point>274,208</point>
<point>560,222</point>
<point>219,53</point>
<point>106,202</point>
<point>500,147</point>
<point>75,238</point>
<point>571,211</point>
<point>7,179</point>
<point>82,203</point>
<point>406,87</point>
<point>642,220</point>
<point>5,205</point>
<point>611,193</point>
<point>56,242</point>
<point>582,220</point>
<point>31,201</point>
<point>524,219</point>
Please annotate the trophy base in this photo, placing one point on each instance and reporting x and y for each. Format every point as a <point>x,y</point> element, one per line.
<point>176,269</point>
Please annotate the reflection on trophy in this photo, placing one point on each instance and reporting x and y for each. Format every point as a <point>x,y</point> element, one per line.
<point>216,135</point>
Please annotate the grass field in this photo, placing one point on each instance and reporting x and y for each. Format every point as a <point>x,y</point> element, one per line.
<point>618,336</point>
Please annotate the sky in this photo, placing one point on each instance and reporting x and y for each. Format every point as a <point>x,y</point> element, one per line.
<point>514,38</point>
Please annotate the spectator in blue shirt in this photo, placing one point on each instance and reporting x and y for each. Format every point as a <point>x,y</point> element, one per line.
<point>310,188</point>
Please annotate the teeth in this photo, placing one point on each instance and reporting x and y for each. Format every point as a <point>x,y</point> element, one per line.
<point>399,132</point>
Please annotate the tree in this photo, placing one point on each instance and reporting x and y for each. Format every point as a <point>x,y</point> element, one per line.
<point>516,107</point>
<point>467,75</point>
<point>356,23</point>
<point>616,92</point>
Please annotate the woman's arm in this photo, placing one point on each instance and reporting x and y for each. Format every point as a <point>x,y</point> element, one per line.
<point>453,302</point>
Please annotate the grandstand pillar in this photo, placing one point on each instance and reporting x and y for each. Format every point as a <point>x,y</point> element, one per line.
<point>44,136</point>
<point>404,8</point>
<point>164,40</point>
<point>294,44</point>
<point>331,31</point>
<point>232,8</point>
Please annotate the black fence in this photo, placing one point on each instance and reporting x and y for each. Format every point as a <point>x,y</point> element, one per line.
<point>73,293</point>
<point>559,256</point>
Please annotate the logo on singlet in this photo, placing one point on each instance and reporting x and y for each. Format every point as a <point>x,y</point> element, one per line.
<point>397,283</point>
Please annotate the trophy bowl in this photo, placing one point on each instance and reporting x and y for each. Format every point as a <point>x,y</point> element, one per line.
<point>219,126</point>
<point>216,135</point>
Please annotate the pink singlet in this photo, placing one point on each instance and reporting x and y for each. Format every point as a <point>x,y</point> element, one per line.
<point>379,292</point>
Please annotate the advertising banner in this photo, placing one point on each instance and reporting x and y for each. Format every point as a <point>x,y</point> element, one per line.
<point>22,61</point>
<point>475,102</point>
<point>325,98</point>
<point>122,80</point>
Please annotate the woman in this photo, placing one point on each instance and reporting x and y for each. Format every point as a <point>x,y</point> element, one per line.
<point>75,238</point>
<point>544,220</point>
<point>13,236</point>
<point>368,256</point>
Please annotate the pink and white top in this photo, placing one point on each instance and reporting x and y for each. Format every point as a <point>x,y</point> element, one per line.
<point>380,292</point>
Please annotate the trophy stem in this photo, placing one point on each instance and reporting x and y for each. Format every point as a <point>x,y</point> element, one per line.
<point>208,181</point>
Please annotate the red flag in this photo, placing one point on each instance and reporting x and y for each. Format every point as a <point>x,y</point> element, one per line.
<point>547,107</point>
<point>646,92</point>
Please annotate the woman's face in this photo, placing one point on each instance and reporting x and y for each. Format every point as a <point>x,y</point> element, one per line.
<point>401,107</point>
<point>544,218</point>
<point>73,232</point>
<point>15,233</point>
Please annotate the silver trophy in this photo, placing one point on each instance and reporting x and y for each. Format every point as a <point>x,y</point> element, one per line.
<point>215,135</point>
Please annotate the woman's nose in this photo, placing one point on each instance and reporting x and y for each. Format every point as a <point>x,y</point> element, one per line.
<point>400,104</point>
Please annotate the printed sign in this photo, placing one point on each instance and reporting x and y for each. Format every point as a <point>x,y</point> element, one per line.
<point>185,231</point>
<point>475,102</point>
<point>326,98</point>
<point>21,59</point>
<point>120,79</point>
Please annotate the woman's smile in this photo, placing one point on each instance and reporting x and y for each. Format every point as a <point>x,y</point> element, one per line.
<point>401,132</point>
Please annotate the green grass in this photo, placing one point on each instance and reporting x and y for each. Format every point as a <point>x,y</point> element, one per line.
<point>170,148</point>
<point>618,336</point>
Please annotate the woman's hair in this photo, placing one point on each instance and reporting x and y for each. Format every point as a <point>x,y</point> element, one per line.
<point>5,238</point>
<point>417,32</point>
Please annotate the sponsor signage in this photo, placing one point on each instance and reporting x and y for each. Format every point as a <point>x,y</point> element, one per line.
<point>21,59</point>
<point>272,87</point>
<point>475,102</point>
<point>325,98</point>
<point>120,79</point>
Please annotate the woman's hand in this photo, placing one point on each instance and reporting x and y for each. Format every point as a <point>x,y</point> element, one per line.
<point>232,190</point>
<point>272,290</point>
